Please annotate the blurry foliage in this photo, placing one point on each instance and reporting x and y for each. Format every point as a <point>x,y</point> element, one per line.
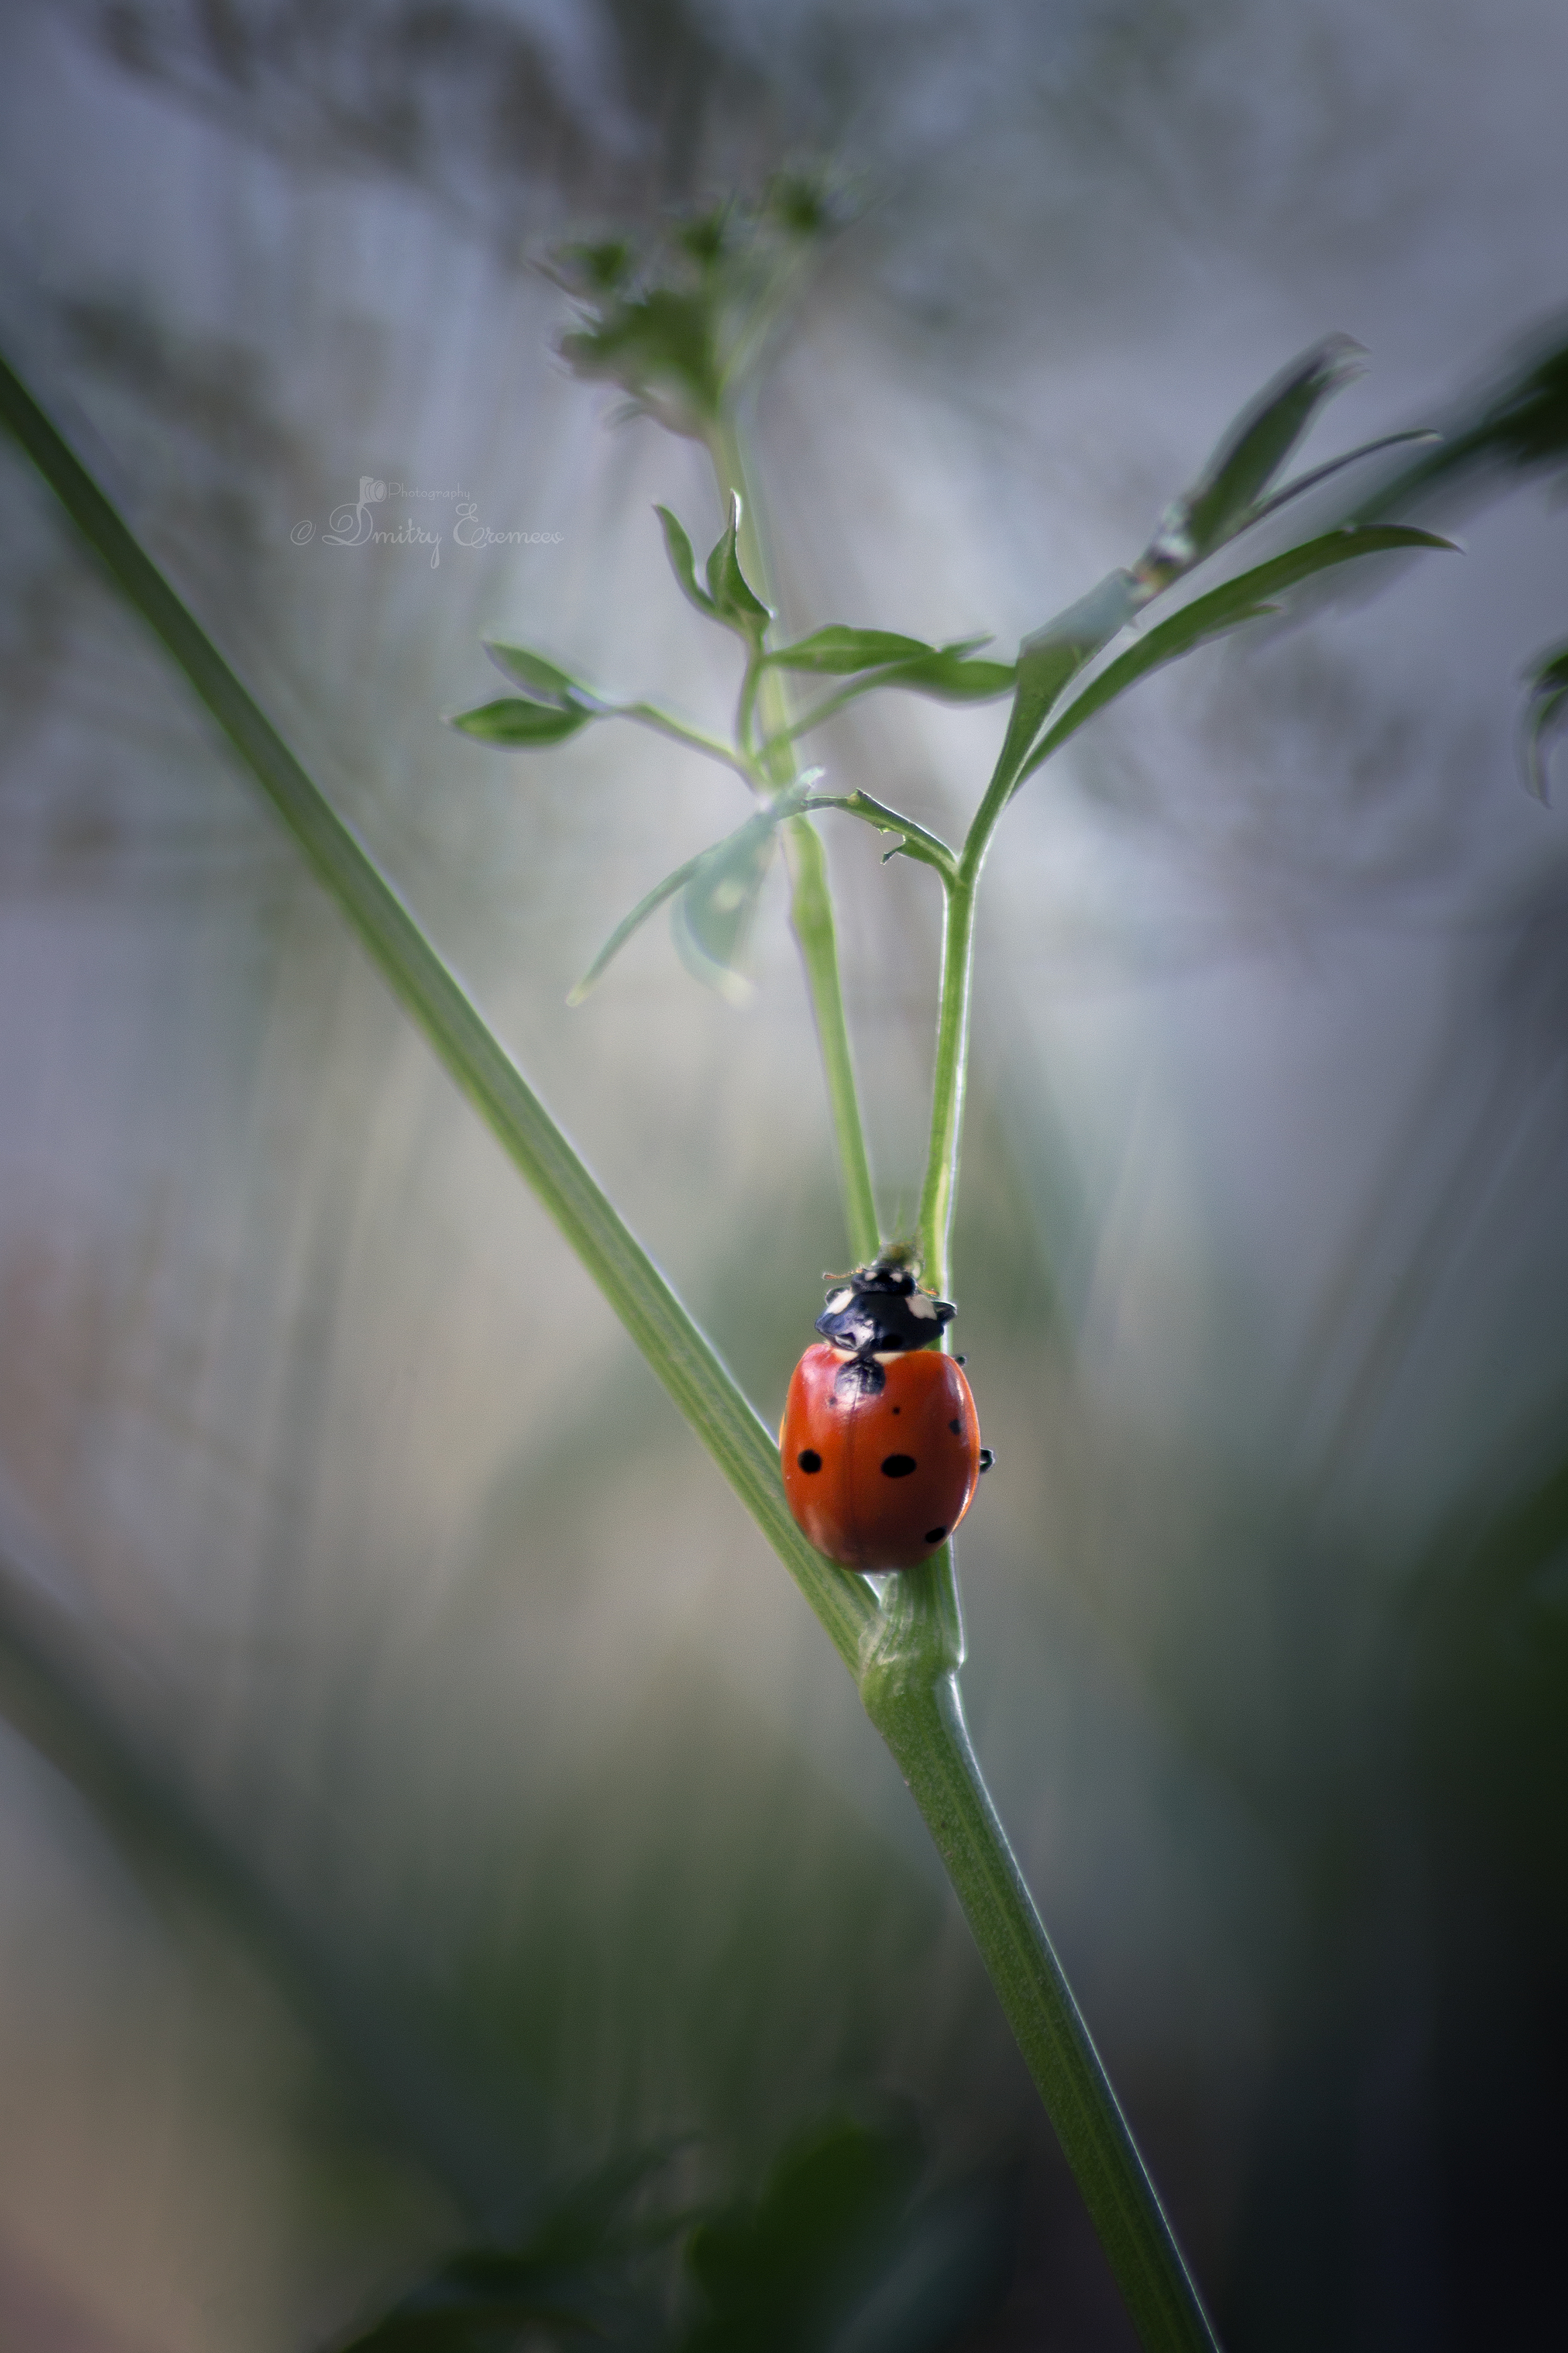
<point>680,329</point>
<point>835,2254</point>
<point>1545,714</point>
<point>492,115</point>
<point>573,2272</point>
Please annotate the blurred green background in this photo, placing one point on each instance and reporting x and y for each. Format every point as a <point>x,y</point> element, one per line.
<point>417,1781</point>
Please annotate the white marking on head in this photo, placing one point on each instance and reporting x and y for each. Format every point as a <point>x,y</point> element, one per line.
<point>839,1299</point>
<point>922,1303</point>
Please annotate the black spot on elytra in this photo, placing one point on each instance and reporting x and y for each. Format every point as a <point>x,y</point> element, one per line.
<point>935,1536</point>
<point>956,1428</point>
<point>898,1466</point>
<point>897,1409</point>
<point>809,1459</point>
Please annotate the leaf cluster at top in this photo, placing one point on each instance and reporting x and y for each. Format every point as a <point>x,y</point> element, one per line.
<point>679,327</point>
<point>1058,681</point>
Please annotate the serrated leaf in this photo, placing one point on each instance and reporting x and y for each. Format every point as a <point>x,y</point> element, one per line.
<point>839,652</point>
<point>1248,457</point>
<point>1545,717</point>
<point>1245,598</point>
<point>513,726</point>
<point>734,601</point>
<point>539,678</point>
<point>683,563</point>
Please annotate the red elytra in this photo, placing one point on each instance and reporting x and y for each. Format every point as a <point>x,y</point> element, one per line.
<point>879,1479</point>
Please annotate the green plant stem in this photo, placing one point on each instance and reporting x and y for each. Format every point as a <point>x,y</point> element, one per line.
<point>811,903</point>
<point>678,1351</point>
<point>811,914</point>
<point>939,1190</point>
<point>922,1720</point>
<point>648,715</point>
<point>914,840</point>
<point>744,708</point>
<point>909,1689</point>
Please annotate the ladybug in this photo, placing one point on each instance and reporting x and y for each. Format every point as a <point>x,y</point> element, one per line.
<point>880,1444</point>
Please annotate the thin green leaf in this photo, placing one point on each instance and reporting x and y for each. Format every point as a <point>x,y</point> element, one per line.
<point>734,601</point>
<point>721,885</point>
<point>1054,654</point>
<point>513,726</point>
<point>683,563</point>
<point>629,923</point>
<point>1334,465</point>
<point>839,652</point>
<point>1545,718</point>
<point>1248,460</point>
<point>712,921</point>
<point>541,679</point>
<point>679,1352</point>
<point>1245,598</point>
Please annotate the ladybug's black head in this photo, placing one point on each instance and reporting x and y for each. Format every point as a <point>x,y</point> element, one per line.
<point>881,1309</point>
